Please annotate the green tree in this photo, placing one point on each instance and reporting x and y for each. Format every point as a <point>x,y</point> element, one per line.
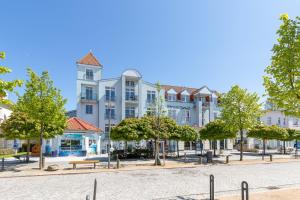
<point>292,134</point>
<point>216,130</point>
<point>6,86</point>
<point>282,81</point>
<point>240,111</point>
<point>265,133</point>
<point>19,126</point>
<point>43,103</point>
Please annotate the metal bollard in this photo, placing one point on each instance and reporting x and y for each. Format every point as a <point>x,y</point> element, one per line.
<point>184,157</point>
<point>263,157</point>
<point>271,158</point>
<point>245,191</point>
<point>200,160</point>
<point>211,187</point>
<point>95,189</point>
<point>87,197</point>
<point>118,163</point>
<point>227,159</point>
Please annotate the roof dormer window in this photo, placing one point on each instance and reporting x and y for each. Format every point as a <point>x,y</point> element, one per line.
<point>185,98</point>
<point>171,97</point>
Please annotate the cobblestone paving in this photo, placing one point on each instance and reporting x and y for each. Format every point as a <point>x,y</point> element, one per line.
<point>159,184</point>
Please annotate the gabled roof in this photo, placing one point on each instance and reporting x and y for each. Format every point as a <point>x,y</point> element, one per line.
<point>77,124</point>
<point>178,89</point>
<point>89,59</point>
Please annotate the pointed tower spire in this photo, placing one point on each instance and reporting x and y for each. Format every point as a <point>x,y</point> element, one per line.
<point>89,59</point>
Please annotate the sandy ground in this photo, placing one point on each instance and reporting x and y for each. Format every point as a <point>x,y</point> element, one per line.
<point>280,194</point>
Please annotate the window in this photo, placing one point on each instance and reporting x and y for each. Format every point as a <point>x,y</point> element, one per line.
<point>110,94</point>
<point>151,96</point>
<point>216,115</point>
<point>129,112</point>
<point>151,111</point>
<point>107,127</point>
<point>172,114</point>
<point>185,98</point>
<point>295,122</point>
<point>130,94</point>
<point>171,97</point>
<point>89,109</point>
<point>130,83</point>
<point>110,112</point>
<point>89,93</point>
<point>284,121</point>
<point>187,117</point>
<point>89,74</point>
<point>269,120</point>
<point>278,121</point>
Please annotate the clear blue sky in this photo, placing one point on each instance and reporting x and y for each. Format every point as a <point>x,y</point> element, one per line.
<point>188,43</point>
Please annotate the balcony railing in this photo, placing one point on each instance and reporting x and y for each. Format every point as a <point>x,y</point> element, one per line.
<point>131,98</point>
<point>92,97</point>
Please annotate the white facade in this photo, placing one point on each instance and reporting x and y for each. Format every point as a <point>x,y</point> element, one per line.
<point>108,101</point>
<point>4,114</point>
<point>275,117</point>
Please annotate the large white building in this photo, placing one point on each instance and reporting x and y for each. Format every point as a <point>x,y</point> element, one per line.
<point>107,101</point>
<point>276,117</point>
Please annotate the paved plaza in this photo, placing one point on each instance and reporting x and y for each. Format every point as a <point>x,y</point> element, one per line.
<point>159,184</point>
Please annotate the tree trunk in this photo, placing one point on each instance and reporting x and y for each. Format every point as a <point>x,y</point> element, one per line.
<point>41,150</point>
<point>214,145</point>
<point>177,142</point>
<point>125,147</point>
<point>264,146</point>
<point>241,145</point>
<point>28,150</point>
<point>156,162</point>
<point>284,151</point>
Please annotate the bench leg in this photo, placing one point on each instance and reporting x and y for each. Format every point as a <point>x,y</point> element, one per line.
<point>94,165</point>
<point>74,166</point>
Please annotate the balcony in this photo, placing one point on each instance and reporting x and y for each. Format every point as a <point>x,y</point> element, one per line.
<point>205,103</point>
<point>89,97</point>
<point>131,98</point>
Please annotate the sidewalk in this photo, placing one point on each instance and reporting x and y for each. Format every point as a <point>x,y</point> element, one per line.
<point>279,194</point>
<point>65,168</point>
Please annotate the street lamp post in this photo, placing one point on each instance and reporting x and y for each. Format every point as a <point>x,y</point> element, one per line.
<point>109,127</point>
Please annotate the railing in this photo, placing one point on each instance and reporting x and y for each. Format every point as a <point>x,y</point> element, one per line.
<point>93,96</point>
<point>131,98</point>
<point>112,116</point>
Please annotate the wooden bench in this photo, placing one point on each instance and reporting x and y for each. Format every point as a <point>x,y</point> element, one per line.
<point>74,163</point>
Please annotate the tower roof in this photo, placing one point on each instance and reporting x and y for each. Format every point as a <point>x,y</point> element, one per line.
<point>89,59</point>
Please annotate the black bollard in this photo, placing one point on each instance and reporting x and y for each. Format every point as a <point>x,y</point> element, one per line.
<point>271,158</point>
<point>227,159</point>
<point>200,160</point>
<point>95,189</point>
<point>245,192</point>
<point>211,187</point>
<point>118,163</point>
<point>87,197</point>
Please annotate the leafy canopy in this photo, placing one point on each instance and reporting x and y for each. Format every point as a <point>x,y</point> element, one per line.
<point>216,130</point>
<point>19,125</point>
<point>240,108</point>
<point>6,86</point>
<point>282,80</point>
<point>43,104</point>
<point>264,132</point>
